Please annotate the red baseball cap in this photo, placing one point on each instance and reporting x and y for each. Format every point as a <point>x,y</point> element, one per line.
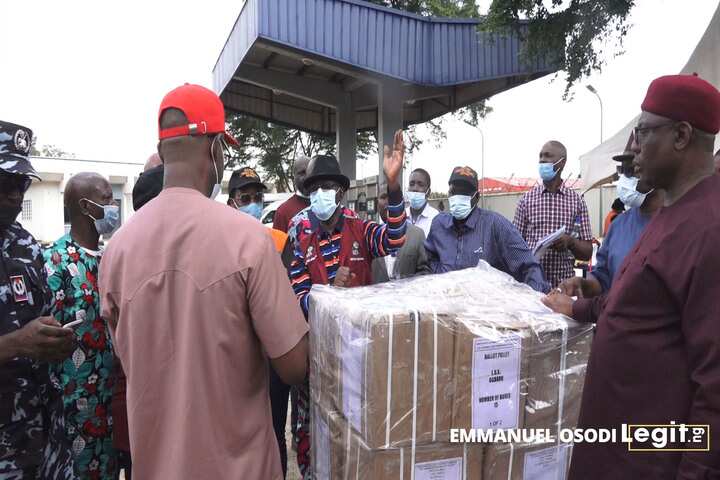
<point>203,109</point>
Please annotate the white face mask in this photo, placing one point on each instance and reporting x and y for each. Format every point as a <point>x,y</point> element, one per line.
<point>110,220</point>
<point>417,199</point>
<point>323,204</point>
<point>460,206</point>
<point>627,191</point>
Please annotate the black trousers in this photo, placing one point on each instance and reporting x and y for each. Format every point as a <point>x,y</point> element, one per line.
<point>125,463</point>
<point>279,394</point>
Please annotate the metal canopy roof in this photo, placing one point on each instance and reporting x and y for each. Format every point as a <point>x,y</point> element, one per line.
<point>294,62</point>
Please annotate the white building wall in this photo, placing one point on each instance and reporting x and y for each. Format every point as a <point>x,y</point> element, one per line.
<point>46,214</point>
<point>46,219</point>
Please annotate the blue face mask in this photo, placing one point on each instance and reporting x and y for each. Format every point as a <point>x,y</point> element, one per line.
<point>547,170</point>
<point>460,206</point>
<point>253,209</point>
<point>322,203</point>
<point>110,220</point>
<point>417,200</point>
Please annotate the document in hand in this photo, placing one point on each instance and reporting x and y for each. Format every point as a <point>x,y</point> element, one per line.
<point>544,244</point>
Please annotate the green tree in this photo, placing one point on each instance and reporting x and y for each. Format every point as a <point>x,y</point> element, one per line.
<point>274,148</point>
<point>48,151</point>
<point>577,30</point>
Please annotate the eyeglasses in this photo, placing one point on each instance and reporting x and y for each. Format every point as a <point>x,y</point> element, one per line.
<point>246,198</point>
<point>640,133</point>
<point>14,182</point>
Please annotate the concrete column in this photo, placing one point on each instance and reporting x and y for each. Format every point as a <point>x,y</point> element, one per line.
<point>346,135</point>
<point>390,120</point>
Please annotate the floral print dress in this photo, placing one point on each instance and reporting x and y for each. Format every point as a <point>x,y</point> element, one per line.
<point>85,377</point>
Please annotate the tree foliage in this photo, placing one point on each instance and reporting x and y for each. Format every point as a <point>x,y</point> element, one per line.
<point>48,151</point>
<point>576,30</point>
<point>274,148</point>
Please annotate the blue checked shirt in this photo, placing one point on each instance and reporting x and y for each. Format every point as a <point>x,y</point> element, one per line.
<point>485,235</point>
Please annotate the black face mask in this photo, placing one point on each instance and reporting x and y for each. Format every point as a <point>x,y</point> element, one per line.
<point>8,215</point>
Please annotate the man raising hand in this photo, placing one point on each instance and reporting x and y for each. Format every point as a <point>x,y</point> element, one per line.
<point>333,246</point>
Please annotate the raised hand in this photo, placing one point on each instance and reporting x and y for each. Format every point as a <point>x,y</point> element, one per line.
<point>393,161</point>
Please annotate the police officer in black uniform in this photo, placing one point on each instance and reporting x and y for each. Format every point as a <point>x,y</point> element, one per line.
<point>32,434</point>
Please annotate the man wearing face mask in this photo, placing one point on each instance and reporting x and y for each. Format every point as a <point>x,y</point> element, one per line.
<point>549,206</point>
<point>420,212</point>
<point>195,318</point>
<point>410,260</point>
<point>625,232</point>
<point>298,202</point>
<point>33,444</point>
<point>333,246</point>
<point>655,357</point>
<point>467,234</point>
<point>246,195</point>
<point>643,203</point>
<point>72,267</point>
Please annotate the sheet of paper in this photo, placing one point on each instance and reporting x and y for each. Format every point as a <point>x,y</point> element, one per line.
<point>543,245</point>
<point>450,469</point>
<point>353,351</point>
<point>496,383</point>
<point>546,464</point>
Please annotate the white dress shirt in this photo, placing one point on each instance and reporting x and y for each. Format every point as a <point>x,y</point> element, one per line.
<point>424,220</point>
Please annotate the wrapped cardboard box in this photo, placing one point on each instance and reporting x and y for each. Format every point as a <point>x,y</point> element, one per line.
<point>397,365</point>
<point>490,364</point>
<point>526,462</point>
<point>509,371</point>
<point>387,370</point>
<point>349,458</point>
<point>557,363</point>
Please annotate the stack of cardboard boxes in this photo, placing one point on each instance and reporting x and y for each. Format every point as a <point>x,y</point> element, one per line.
<point>394,367</point>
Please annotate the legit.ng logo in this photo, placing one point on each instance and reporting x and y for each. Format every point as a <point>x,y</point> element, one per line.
<point>668,437</point>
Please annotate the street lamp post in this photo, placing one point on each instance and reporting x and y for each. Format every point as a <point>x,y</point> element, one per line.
<point>593,91</point>
<point>482,169</point>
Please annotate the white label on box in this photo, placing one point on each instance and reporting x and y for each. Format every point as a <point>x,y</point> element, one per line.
<point>495,383</point>
<point>322,448</point>
<point>353,349</point>
<point>450,469</point>
<point>546,464</point>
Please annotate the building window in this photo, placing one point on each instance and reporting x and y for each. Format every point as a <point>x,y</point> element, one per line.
<point>27,210</point>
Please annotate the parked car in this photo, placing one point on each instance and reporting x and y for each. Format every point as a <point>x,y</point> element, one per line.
<point>275,197</point>
<point>268,213</point>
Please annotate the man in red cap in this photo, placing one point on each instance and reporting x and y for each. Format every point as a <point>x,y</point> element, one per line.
<point>656,354</point>
<point>195,316</point>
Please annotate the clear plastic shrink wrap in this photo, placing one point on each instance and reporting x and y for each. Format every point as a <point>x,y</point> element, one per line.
<point>395,366</point>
